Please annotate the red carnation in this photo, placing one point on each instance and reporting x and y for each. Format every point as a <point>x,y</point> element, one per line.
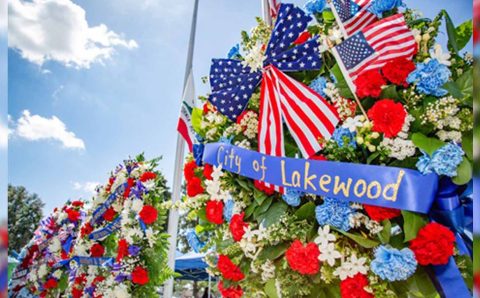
<point>110,183</point>
<point>148,176</point>
<point>77,204</point>
<point>228,269</point>
<point>130,184</point>
<point>77,293</point>
<point>207,171</point>
<point>354,287</point>
<point>237,226</point>
<point>388,117</point>
<point>51,283</point>
<point>230,292</point>
<point>109,214</point>
<point>214,212</point>
<point>98,279</point>
<point>86,229</point>
<point>381,213</point>
<point>302,38</point>
<point>303,259</point>
<point>73,215</point>
<point>262,187</point>
<point>139,276</point>
<point>189,170</point>
<point>122,250</point>
<point>370,83</point>
<point>397,70</point>
<point>194,187</point>
<point>434,245</point>
<point>148,214</point>
<point>97,250</point>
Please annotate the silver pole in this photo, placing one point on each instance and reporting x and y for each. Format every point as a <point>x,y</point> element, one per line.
<point>267,17</point>
<point>177,177</point>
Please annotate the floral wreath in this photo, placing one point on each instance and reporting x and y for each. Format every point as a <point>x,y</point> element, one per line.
<point>294,244</point>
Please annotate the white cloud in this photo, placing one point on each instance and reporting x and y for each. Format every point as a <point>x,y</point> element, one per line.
<point>57,30</point>
<point>35,127</point>
<point>3,16</point>
<point>3,135</point>
<point>87,187</point>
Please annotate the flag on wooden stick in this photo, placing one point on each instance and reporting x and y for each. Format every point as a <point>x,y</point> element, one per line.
<point>184,126</point>
<point>352,15</point>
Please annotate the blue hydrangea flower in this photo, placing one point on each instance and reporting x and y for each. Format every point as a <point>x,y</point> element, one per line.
<point>228,209</point>
<point>292,197</point>
<point>334,212</point>
<point>392,264</point>
<point>444,161</point>
<point>430,77</point>
<point>315,6</point>
<point>378,7</point>
<point>318,85</point>
<point>234,52</point>
<point>342,134</point>
<point>226,140</point>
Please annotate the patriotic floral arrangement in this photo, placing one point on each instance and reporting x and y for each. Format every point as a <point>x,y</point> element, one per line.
<point>417,97</point>
<point>121,250</point>
<point>38,275</point>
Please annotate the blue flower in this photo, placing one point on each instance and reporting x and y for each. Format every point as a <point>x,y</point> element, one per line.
<point>430,77</point>
<point>198,153</point>
<point>315,6</point>
<point>392,264</point>
<point>133,250</point>
<point>444,161</point>
<point>234,52</point>
<point>334,212</point>
<point>228,209</point>
<point>318,85</point>
<point>292,197</point>
<point>342,134</point>
<point>193,241</point>
<point>226,140</point>
<point>378,7</point>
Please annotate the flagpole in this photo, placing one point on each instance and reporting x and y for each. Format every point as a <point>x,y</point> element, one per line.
<point>267,17</point>
<point>179,155</point>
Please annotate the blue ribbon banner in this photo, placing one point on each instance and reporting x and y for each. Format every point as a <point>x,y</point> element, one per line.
<point>98,213</point>
<point>391,187</point>
<point>109,229</point>
<point>88,261</point>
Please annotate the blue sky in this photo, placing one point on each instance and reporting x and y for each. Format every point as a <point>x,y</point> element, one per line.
<point>123,101</point>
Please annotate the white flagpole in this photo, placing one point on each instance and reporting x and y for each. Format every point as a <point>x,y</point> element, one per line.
<point>177,177</point>
<point>267,17</point>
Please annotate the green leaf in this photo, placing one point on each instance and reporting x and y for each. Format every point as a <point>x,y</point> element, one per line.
<point>464,172</point>
<point>412,223</point>
<point>464,34</point>
<point>262,208</point>
<point>259,196</point>
<point>243,184</point>
<point>271,289</point>
<point>273,252</point>
<point>467,144</point>
<point>360,240</point>
<point>250,209</point>
<point>465,83</point>
<point>196,120</point>
<point>273,215</point>
<point>390,92</point>
<point>453,89</point>
<point>429,145</point>
<point>385,234</point>
<point>63,282</point>
<point>451,32</point>
<point>306,211</point>
<point>342,85</point>
<point>328,16</point>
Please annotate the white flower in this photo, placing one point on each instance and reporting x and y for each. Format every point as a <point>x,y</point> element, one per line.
<point>121,291</point>
<point>342,272</point>
<point>57,274</point>
<point>151,236</point>
<point>353,123</point>
<point>418,35</point>
<point>249,234</point>
<point>335,34</point>
<point>254,58</point>
<point>149,184</point>
<point>217,172</point>
<point>437,53</point>
<point>357,265</point>
<point>137,205</point>
<point>268,271</point>
<point>42,271</point>
<point>329,254</point>
<point>55,245</point>
<point>324,236</point>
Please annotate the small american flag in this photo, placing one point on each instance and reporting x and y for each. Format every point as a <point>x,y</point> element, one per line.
<point>274,6</point>
<point>375,45</point>
<point>352,15</point>
<point>184,126</point>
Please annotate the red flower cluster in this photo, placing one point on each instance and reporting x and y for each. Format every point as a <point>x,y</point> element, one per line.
<point>148,176</point>
<point>303,259</point>
<point>86,229</point>
<point>262,187</point>
<point>97,250</point>
<point>110,183</point>
<point>130,184</point>
<point>148,214</point>
<point>140,276</point>
<point>189,170</point>
<point>237,226</point>
<point>73,215</point>
<point>370,83</point>
<point>434,245</point>
<point>109,214</point>
<point>194,187</point>
<point>230,292</point>
<point>122,250</point>
<point>78,284</point>
<point>78,204</point>
<point>397,70</point>
<point>214,212</point>
<point>354,287</point>
<point>51,283</point>
<point>388,117</point>
<point>207,171</point>
<point>228,269</point>
<point>381,213</point>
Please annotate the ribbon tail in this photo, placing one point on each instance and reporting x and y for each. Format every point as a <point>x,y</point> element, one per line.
<point>450,281</point>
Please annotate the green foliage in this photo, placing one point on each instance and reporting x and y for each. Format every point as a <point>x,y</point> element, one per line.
<point>464,172</point>
<point>306,212</point>
<point>341,82</point>
<point>360,240</point>
<point>428,145</point>
<point>412,223</point>
<point>274,213</point>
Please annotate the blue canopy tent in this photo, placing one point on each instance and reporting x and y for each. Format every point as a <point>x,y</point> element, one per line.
<point>191,266</point>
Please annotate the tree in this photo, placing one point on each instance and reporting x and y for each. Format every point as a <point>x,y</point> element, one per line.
<point>24,215</point>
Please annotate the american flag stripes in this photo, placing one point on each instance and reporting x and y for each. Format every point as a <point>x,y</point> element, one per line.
<point>184,126</point>
<point>372,47</point>
<point>274,6</point>
<point>352,15</point>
